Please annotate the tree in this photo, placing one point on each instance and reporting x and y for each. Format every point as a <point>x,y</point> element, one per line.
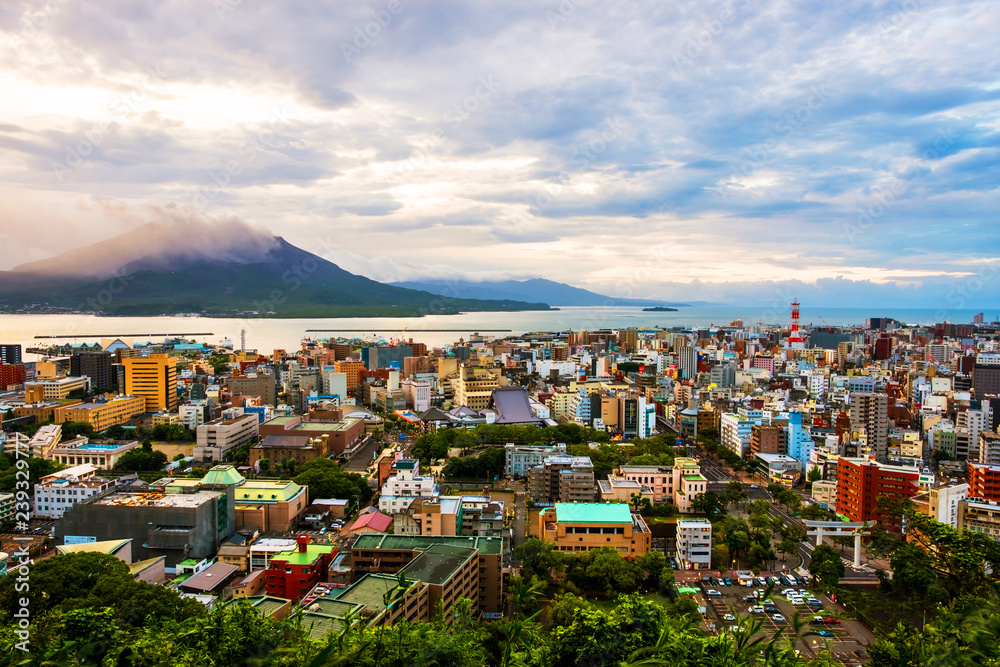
<point>653,563</point>
<point>538,558</point>
<point>826,565</point>
<point>141,459</point>
<point>786,546</point>
<point>325,479</point>
<point>709,504</point>
<point>735,493</point>
<point>814,475</point>
<point>814,512</point>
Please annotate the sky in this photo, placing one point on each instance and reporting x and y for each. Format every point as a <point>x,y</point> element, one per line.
<point>846,153</point>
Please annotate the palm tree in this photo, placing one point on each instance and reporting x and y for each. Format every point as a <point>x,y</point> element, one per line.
<point>525,593</point>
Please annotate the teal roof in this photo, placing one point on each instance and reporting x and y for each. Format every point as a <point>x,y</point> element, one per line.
<point>593,513</point>
<point>223,475</point>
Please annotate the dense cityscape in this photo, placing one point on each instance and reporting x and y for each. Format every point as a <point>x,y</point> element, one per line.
<point>761,493</point>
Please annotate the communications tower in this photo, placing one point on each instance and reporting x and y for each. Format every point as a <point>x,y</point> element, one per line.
<point>794,339</point>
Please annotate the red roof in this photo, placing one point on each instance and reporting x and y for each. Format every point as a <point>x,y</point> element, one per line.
<point>376,521</point>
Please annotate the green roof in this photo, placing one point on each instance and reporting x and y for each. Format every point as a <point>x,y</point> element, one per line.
<point>693,478</point>
<point>261,491</point>
<point>486,545</point>
<point>295,557</point>
<point>369,591</point>
<point>223,475</point>
<point>593,513</point>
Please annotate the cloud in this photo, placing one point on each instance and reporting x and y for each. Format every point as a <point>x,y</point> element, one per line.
<point>756,142</point>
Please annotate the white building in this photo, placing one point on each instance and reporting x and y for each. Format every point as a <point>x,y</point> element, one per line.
<point>334,383</point>
<point>694,544</point>
<point>193,414</point>
<point>944,501</point>
<point>218,437</point>
<point>56,493</point>
<point>736,428</point>
<point>401,489</point>
<point>418,394</point>
<point>518,460</point>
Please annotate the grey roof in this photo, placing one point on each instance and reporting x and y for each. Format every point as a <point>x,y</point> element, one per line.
<point>513,406</point>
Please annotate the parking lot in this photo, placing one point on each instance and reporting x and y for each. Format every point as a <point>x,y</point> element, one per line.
<point>847,640</point>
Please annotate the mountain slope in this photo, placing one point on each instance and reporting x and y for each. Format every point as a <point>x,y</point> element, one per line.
<point>536,289</point>
<point>268,276</point>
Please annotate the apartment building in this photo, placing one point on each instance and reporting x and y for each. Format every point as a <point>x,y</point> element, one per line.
<point>519,460</point>
<point>694,544</point>
<point>401,489</point>
<point>215,439</point>
<point>388,554</point>
<point>292,574</point>
<point>562,479</point>
<point>60,491</point>
<point>861,482</point>
<point>870,413</point>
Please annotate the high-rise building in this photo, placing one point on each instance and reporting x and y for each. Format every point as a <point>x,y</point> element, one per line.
<point>10,354</point>
<point>871,412</point>
<point>154,378</point>
<point>882,348</point>
<point>861,482</point>
<point>687,361</point>
<point>984,481</point>
<point>986,375</point>
<point>12,374</point>
<point>96,366</point>
<point>562,478</point>
<point>768,439</point>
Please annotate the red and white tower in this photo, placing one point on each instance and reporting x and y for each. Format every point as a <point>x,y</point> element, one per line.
<point>794,339</point>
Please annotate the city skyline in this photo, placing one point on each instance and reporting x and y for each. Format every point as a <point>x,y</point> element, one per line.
<point>721,152</point>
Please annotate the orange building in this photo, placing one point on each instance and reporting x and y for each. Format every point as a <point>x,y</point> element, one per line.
<point>575,527</point>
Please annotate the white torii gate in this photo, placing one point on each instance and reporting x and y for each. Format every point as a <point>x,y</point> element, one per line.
<point>839,529</point>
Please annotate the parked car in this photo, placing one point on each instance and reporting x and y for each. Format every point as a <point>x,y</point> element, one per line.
<point>789,591</point>
<point>778,618</point>
<point>756,609</point>
<point>760,581</point>
<point>750,598</point>
<point>783,580</point>
<point>712,593</point>
<point>824,633</point>
<point>833,621</point>
<point>728,617</point>
<point>727,581</point>
<point>817,621</point>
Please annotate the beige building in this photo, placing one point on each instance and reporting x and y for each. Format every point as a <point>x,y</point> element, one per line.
<point>119,410</point>
<point>473,387</point>
<point>54,390</point>
<point>217,438</point>
<point>562,478</point>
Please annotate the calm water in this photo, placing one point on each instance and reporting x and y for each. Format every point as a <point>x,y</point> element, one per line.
<point>269,334</point>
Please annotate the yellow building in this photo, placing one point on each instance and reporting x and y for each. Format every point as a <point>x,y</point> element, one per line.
<point>575,527</point>
<point>155,379</point>
<point>102,415</point>
<point>473,387</point>
<point>53,390</point>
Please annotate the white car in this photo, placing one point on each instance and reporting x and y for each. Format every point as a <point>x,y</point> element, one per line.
<point>797,601</point>
<point>778,618</point>
<point>713,593</point>
<point>728,617</point>
<point>788,591</point>
<point>756,609</point>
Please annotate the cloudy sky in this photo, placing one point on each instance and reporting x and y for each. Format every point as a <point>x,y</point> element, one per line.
<point>846,152</point>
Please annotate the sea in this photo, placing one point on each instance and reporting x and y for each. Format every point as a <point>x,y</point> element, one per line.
<point>268,334</point>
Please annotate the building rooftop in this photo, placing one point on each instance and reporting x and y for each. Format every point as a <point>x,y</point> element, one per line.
<point>438,564</point>
<point>295,557</point>
<point>211,577</point>
<point>485,545</point>
<point>157,499</point>
<point>224,475</point>
<point>105,547</point>
<point>264,491</point>
<point>593,513</point>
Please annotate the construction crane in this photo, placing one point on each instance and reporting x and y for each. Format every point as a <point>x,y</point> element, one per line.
<point>826,324</point>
